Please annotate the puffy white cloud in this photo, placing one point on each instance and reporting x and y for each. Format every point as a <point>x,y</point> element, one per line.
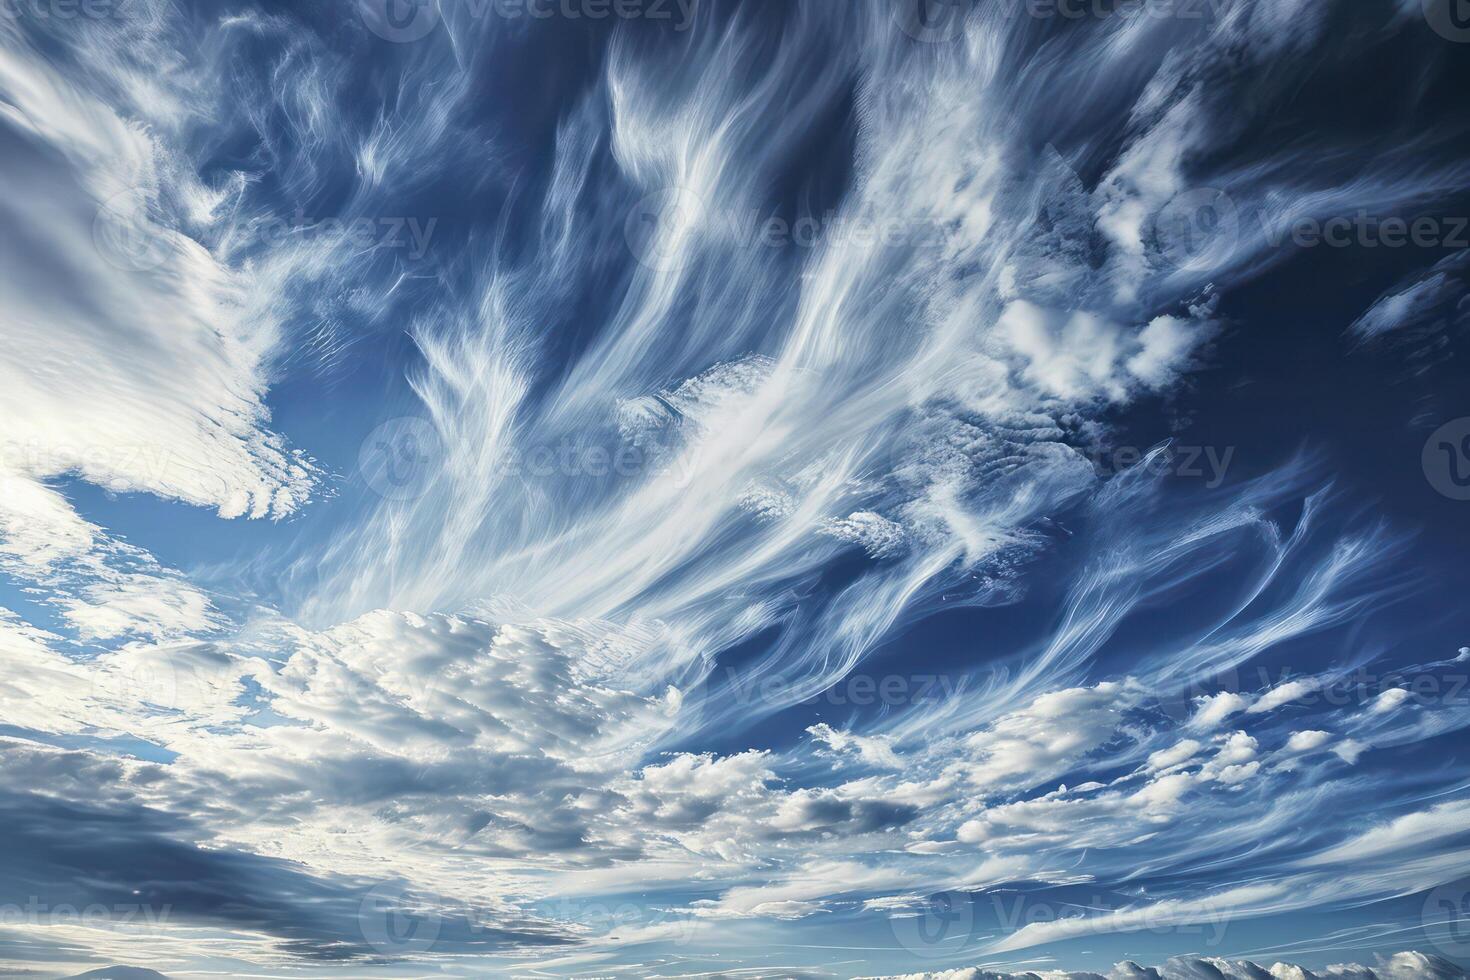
<point>1388,700</point>
<point>1079,356</point>
<point>1212,710</point>
<point>1282,694</point>
<point>1398,966</point>
<point>1048,736</point>
<point>1307,741</point>
<point>1179,753</point>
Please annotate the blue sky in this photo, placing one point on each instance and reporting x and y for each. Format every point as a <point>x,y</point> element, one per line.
<point>770,489</point>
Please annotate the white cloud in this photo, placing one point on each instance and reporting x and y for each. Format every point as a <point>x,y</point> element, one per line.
<point>1307,741</point>
<point>1407,833</point>
<point>1212,710</point>
<point>1282,694</point>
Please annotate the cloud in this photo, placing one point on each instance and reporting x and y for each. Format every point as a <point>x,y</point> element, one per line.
<point>1398,966</point>
<point>1282,694</point>
<point>684,485</point>
<point>1405,833</point>
<point>1425,302</point>
<point>1213,709</point>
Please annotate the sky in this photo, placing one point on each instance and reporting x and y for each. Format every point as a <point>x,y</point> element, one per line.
<point>636,488</point>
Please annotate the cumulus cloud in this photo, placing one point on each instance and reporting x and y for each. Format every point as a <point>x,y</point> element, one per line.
<point>1399,966</point>
<point>1213,709</point>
